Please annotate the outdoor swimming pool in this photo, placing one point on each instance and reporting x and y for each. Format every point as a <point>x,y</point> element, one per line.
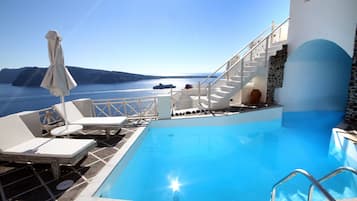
<point>233,162</point>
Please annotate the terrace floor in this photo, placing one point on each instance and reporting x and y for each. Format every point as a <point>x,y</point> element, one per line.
<point>35,182</point>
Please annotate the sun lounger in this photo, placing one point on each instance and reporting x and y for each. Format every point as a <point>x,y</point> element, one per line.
<point>18,144</point>
<point>74,116</point>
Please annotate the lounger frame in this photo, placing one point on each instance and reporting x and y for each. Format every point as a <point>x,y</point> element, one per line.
<point>54,161</point>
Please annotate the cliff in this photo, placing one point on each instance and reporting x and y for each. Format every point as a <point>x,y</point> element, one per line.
<point>32,76</point>
<point>9,75</point>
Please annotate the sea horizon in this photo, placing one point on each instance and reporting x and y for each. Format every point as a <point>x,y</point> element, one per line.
<point>123,71</point>
<point>15,99</point>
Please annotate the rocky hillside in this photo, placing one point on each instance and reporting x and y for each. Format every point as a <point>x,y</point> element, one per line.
<point>32,76</point>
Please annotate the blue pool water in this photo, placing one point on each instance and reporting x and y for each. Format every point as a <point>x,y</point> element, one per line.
<point>229,163</point>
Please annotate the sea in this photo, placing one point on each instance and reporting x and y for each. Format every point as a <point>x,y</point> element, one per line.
<point>16,99</point>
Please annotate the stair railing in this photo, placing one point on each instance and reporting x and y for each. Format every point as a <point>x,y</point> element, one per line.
<point>331,175</point>
<point>308,176</point>
<point>259,47</point>
<point>246,48</point>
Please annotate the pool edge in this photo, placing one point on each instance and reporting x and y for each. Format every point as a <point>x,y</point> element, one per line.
<point>88,194</point>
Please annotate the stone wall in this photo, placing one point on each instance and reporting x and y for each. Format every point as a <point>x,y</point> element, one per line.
<point>276,72</point>
<point>351,109</point>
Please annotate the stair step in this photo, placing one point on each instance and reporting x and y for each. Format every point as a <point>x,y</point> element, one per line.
<point>205,106</point>
<point>250,67</point>
<point>227,88</point>
<point>194,98</point>
<point>216,97</point>
<point>246,73</point>
<point>270,53</point>
<point>220,92</point>
<point>274,48</point>
<point>280,43</point>
<point>204,99</point>
<point>232,82</point>
<point>238,78</point>
<point>252,63</point>
<point>260,59</point>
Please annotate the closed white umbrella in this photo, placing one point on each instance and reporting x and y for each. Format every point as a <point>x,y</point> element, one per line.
<point>57,79</point>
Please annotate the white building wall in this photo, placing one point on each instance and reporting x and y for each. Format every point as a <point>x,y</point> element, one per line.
<point>273,114</point>
<point>333,20</point>
<point>315,77</point>
<point>164,107</point>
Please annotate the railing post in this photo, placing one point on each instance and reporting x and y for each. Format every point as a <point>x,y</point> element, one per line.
<point>125,109</point>
<point>272,32</point>
<point>172,99</point>
<point>241,80</point>
<point>241,74</point>
<point>251,56</point>
<point>109,109</point>
<point>266,51</point>
<point>199,93</point>
<point>156,108</point>
<point>140,109</point>
<point>227,69</point>
<point>273,192</point>
<point>94,112</point>
<point>209,96</point>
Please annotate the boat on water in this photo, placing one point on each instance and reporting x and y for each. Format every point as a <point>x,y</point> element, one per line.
<point>164,86</point>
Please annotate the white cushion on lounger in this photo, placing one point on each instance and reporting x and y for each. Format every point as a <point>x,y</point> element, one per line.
<point>13,132</point>
<point>51,147</point>
<point>104,121</point>
<point>18,144</point>
<point>74,116</point>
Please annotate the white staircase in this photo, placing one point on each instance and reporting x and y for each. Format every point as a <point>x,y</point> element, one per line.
<point>251,61</point>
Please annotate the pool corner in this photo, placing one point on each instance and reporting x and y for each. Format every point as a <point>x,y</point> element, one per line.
<point>88,194</point>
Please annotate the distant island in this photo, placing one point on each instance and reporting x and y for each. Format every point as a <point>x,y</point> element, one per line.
<point>32,76</point>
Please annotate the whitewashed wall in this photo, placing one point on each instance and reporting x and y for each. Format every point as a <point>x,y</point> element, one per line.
<point>333,20</point>
<point>269,114</point>
<point>316,73</point>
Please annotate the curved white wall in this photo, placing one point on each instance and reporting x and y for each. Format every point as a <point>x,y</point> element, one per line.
<point>333,20</point>
<point>317,79</point>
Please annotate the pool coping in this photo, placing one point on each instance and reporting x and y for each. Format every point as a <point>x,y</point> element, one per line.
<point>88,194</point>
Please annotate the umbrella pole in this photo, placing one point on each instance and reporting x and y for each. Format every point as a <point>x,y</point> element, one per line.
<point>64,112</point>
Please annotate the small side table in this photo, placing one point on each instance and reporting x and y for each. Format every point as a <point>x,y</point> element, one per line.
<point>66,130</point>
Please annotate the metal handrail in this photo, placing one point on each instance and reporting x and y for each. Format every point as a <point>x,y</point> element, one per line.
<point>242,54</point>
<point>241,59</point>
<point>307,175</point>
<point>330,175</point>
<point>123,99</point>
<point>238,53</point>
<point>251,50</point>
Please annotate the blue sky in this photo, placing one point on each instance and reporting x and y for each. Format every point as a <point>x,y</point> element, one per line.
<point>160,37</point>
